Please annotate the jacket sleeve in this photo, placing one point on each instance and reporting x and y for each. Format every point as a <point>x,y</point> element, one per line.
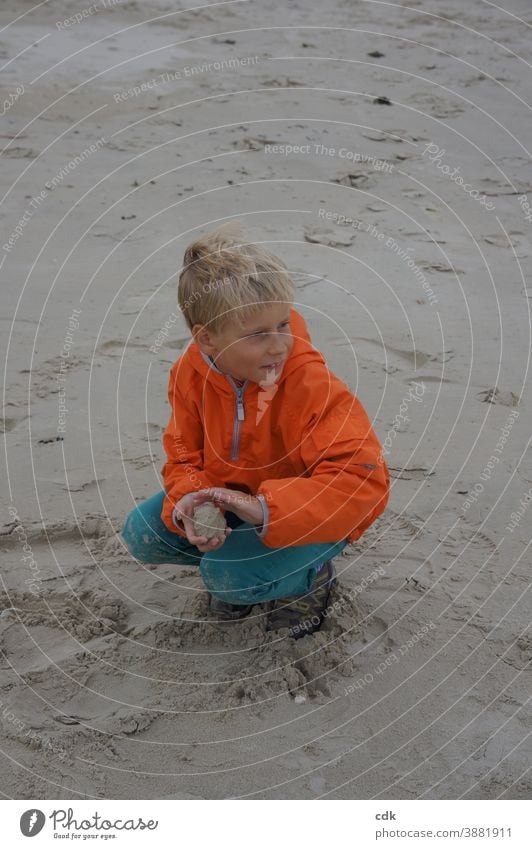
<point>345,486</point>
<point>183,445</point>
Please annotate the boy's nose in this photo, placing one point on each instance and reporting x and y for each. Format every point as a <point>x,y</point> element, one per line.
<point>277,353</point>
<point>278,346</point>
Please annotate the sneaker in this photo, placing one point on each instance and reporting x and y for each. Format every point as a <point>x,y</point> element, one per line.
<point>228,612</point>
<point>305,614</point>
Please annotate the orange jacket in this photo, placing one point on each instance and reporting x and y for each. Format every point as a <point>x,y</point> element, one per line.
<point>304,446</point>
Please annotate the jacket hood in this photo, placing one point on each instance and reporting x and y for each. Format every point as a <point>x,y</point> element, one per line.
<point>303,352</point>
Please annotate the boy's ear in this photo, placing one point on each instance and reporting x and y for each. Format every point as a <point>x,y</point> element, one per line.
<point>204,338</point>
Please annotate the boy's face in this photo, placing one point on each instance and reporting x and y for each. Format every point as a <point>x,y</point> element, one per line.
<point>254,351</point>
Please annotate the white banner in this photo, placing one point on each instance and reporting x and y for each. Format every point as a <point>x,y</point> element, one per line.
<point>278,824</point>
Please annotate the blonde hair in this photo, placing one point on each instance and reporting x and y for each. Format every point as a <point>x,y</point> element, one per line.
<point>226,280</point>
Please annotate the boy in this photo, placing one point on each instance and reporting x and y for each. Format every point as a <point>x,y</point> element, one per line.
<point>260,426</point>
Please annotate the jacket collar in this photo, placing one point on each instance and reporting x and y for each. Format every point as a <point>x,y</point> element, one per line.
<point>210,362</point>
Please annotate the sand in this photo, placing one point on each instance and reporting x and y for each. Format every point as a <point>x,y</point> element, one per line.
<point>338,135</point>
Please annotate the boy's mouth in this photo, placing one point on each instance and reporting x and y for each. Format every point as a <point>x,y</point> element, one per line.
<point>277,365</point>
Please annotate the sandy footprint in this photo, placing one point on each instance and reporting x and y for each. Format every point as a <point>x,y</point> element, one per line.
<point>415,359</point>
<point>499,396</point>
<point>333,237</point>
<point>9,423</point>
<point>85,615</point>
<point>63,530</point>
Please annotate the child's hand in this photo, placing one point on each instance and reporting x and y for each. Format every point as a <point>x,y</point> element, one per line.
<point>247,507</point>
<point>214,542</point>
<point>184,513</point>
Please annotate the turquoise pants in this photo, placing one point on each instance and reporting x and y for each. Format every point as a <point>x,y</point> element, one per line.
<point>242,571</point>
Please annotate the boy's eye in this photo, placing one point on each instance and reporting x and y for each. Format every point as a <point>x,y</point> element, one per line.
<point>264,332</point>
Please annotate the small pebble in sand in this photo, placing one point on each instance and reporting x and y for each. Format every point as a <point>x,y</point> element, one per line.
<point>208,520</point>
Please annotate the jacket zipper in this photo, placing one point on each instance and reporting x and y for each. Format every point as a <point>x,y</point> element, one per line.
<point>239,417</point>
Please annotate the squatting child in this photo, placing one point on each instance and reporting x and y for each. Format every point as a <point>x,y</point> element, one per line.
<point>260,426</point>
